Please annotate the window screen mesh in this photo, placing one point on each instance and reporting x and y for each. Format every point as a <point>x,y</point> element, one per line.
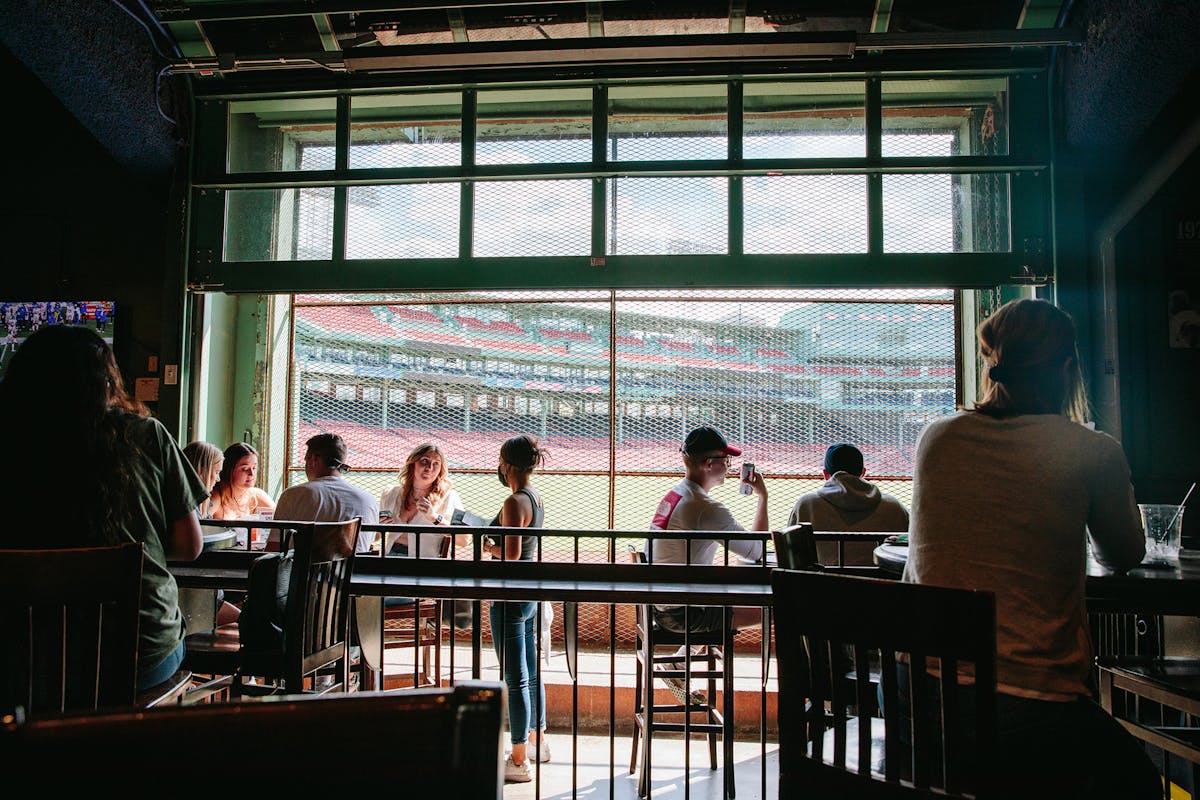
<point>782,374</point>
<point>783,378</point>
<point>406,221</point>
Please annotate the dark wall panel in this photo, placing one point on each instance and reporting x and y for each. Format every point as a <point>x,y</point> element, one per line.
<point>76,225</point>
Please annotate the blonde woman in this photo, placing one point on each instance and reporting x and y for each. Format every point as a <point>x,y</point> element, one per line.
<point>207,460</point>
<point>424,496</point>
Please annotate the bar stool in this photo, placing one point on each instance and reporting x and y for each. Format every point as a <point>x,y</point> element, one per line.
<point>715,653</point>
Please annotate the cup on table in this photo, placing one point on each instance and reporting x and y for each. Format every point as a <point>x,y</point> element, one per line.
<point>1163,525</point>
<point>259,535</point>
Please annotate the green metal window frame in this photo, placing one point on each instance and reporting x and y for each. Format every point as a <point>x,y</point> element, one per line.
<point>1027,164</point>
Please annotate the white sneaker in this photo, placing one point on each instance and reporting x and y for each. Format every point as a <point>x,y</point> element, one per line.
<point>516,774</point>
<point>678,687</point>
<point>543,750</point>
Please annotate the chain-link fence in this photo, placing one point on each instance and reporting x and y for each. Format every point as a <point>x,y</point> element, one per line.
<point>611,383</point>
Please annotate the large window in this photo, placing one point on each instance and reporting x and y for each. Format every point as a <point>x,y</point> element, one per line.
<point>784,375</point>
<point>720,178</point>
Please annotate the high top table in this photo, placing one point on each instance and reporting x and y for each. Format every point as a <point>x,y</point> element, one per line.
<point>1173,591</point>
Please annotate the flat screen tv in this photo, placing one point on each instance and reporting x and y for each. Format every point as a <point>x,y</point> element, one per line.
<point>19,319</point>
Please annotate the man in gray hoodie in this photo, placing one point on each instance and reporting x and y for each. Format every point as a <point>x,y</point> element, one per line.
<point>847,502</point>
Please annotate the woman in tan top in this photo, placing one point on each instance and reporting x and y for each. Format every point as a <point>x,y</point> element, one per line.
<point>235,496</point>
<point>1005,498</point>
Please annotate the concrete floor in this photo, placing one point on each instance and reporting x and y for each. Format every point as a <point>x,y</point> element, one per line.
<point>592,771</point>
<point>595,779</point>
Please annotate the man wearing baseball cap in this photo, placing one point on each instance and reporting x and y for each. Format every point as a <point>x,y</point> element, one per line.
<point>687,507</point>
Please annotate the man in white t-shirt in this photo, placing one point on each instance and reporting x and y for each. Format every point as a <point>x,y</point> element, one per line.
<point>687,507</point>
<point>327,496</point>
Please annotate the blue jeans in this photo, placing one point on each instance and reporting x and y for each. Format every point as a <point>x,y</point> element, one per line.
<point>514,635</point>
<point>1047,748</point>
<point>153,674</point>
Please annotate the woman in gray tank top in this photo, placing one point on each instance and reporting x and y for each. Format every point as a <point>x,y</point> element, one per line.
<point>514,624</point>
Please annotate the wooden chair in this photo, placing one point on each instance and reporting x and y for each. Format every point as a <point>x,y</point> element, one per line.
<point>795,547</point>
<point>432,742</point>
<point>1157,699</point>
<point>316,624</point>
<point>862,756</point>
<point>69,623</point>
<point>417,624</point>
<point>716,660</point>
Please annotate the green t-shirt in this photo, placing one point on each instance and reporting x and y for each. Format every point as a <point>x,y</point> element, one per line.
<point>164,489</point>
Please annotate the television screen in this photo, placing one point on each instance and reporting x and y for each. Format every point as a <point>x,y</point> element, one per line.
<point>18,320</point>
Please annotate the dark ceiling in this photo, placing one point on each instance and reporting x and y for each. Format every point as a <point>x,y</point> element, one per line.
<point>104,65</point>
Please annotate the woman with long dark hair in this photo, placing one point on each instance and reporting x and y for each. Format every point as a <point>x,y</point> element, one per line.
<point>1005,497</point>
<point>514,624</point>
<point>81,437</point>
<point>236,495</point>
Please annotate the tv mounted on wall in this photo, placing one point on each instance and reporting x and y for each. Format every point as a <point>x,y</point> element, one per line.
<point>19,319</point>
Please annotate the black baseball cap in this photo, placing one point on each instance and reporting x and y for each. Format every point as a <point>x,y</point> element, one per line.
<point>844,457</point>
<point>705,439</point>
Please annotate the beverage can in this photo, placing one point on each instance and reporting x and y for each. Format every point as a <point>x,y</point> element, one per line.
<point>747,471</point>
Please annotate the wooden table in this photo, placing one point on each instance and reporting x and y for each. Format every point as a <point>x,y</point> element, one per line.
<point>1143,589</point>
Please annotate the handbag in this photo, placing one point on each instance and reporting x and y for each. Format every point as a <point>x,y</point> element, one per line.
<point>264,611</point>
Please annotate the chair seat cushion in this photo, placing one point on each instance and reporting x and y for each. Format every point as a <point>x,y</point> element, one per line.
<point>212,652</point>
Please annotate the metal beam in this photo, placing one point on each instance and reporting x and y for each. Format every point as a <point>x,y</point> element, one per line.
<point>595,19</point>
<point>1039,14</point>
<point>458,24</point>
<point>882,17</point>
<point>942,40</point>
<point>325,29</point>
<point>633,49</point>
<point>205,12</point>
<point>959,165</point>
<point>909,270</point>
<point>737,16</point>
<point>639,51</point>
<point>191,39</point>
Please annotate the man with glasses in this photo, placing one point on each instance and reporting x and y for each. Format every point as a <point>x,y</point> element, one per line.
<point>688,507</point>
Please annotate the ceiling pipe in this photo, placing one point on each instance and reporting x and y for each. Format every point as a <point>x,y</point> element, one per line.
<point>692,48</point>
<point>1108,396</point>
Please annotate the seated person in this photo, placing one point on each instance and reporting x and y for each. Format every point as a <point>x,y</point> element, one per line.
<point>63,395</point>
<point>1004,497</point>
<point>326,496</point>
<point>848,502</point>
<point>687,507</point>
<point>424,496</point>
<point>207,460</point>
<point>235,496</point>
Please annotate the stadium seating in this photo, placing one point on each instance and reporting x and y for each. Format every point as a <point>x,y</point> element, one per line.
<point>418,315</point>
<point>355,320</point>
<point>575,336</point>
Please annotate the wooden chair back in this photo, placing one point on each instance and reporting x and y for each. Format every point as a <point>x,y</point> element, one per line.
<point>317,620</point>
<point>69,627</point>
<point>795,547</point>
<point>829,745</point>
<point>433,742</point>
